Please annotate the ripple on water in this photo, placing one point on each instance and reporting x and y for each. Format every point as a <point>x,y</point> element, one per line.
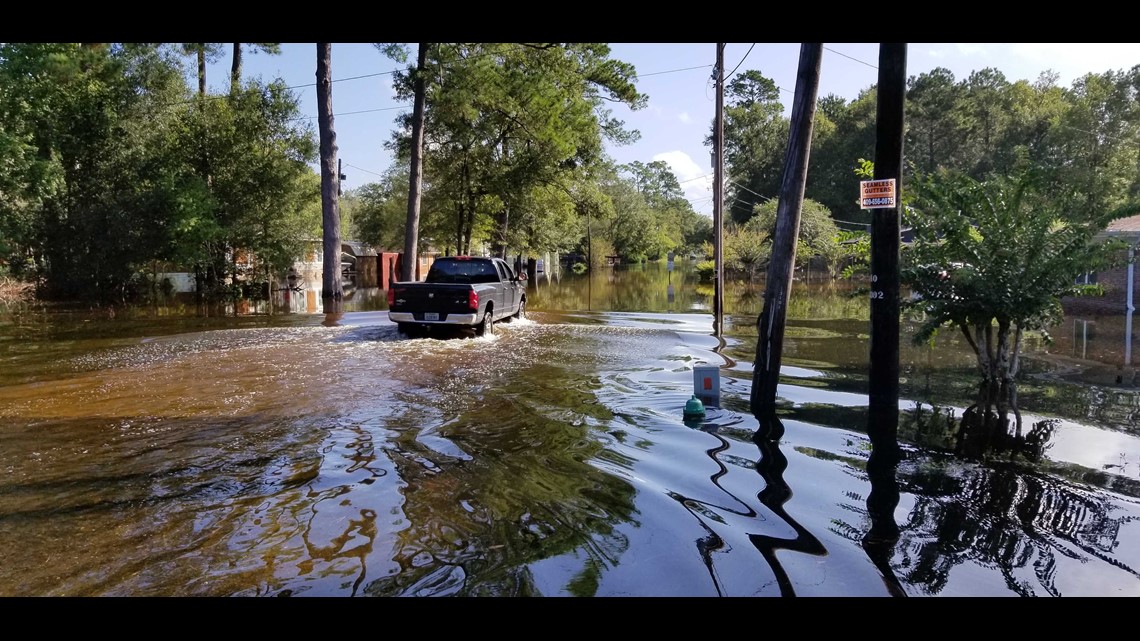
<point>551,458</point>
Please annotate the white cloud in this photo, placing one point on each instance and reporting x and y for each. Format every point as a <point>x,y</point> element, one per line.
<point>695,180</point>
<point>970,48</point>
<point>1079,58</point>
<point>684,117</point>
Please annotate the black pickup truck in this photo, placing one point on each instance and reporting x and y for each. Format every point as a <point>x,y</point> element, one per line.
<point>459,291</point>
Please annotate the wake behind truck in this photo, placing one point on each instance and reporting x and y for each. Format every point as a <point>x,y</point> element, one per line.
<point>459,291</point>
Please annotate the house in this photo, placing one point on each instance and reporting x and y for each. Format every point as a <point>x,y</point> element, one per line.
<point>1119,283</point>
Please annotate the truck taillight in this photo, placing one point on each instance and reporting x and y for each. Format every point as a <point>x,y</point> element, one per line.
<point>473,300</point>
<point>391,296</point>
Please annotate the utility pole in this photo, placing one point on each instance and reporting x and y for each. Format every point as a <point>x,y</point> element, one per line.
<point>778,286</point>
<point>883,396</point>
<point>718,197</point>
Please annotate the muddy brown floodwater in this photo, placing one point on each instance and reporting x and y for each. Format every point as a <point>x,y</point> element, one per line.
<point>304,455</point>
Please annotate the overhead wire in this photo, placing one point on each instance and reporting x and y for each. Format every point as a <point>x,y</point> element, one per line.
<point>741,62</point>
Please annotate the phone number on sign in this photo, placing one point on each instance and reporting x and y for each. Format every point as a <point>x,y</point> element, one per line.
<point>871,202</point>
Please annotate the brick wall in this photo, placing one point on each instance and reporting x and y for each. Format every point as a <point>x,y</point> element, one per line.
<point>1115,284</point>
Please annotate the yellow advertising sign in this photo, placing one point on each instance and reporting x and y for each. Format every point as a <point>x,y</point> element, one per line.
<point>877,194</point>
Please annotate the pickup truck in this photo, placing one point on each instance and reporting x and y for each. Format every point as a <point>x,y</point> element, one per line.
<point>459,291</point>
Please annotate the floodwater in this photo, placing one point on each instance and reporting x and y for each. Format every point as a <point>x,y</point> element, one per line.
<point>305,454</point>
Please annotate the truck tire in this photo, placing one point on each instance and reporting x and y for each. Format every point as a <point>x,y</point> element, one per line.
<point>487,327</point>
<point>522,310</point>
<point>408,329</point>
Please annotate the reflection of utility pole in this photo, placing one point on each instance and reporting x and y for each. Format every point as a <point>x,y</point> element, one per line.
<point>718,196</point>
<point>1128,338</point>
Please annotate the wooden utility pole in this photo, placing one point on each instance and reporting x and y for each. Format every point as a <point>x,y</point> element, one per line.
<point>778,287</point>
<point>331,291</point>
<point>883,397</point>
<point>718,197</point>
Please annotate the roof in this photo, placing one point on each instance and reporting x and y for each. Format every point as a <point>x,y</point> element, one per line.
<point>1127,228</point>
<point>1129,225</point>
<point>357,248</point>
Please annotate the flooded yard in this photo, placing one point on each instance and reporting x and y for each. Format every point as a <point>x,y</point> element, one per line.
<point>307,454</point>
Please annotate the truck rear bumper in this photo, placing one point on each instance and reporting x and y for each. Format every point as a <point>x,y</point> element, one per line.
<point>452,319</point>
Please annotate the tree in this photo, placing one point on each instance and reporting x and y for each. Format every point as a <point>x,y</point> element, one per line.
<point>380,209</point>
<point>415,174</point>
<point>935,120</point>
<point>505,119</point>
<point>992,260</point>
<point>235,67</point>
<point>203,52</point>
<point>755,140</point>
<point>90,131</point>
<point>818,234</point>
<point>842,132</point>
<point>986,104</point>
<point>330,177</point>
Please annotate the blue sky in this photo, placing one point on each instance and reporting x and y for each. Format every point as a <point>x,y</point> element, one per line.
<point>677,79</point>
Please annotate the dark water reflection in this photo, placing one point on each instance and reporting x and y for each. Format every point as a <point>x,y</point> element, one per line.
<point>308,454</point>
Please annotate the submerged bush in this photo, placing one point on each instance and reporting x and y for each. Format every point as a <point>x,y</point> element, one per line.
<point>706,269</point>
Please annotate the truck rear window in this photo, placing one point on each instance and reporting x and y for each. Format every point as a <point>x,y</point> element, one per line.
<point>462,271</point>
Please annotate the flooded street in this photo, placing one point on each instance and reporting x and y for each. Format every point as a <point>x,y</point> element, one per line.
<point>307,454</point>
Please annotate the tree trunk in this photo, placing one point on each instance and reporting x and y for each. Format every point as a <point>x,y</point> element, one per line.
<point>459,230</point>
<point>769,345</point>
<point>500,248</point>
<point>330,180</point>
<point>235,70</point>
<point>415,179</point>
<point>202,69</point>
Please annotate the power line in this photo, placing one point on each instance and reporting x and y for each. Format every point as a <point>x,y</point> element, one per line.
<point>350,113</point>
<point>749,190</point>
<point>740,63</point>
<point>658,73</point>
<point>845,222</point>
<point>850,57</point>
<point>311,84</point>
<point>368,171</point>
<point>692,179</point>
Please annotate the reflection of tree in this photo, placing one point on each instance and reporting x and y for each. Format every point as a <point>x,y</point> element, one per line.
<point>987,427</point>
<point>527,493</point>
<point>1008,520</point>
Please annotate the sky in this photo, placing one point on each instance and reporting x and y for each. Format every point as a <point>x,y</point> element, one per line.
<point>676,77</point>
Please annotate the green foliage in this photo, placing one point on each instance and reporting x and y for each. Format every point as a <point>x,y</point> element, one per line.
<point>855,253</point>
<point>376,213</point>
<point>747,248</point>
<point>755,142</point>
<point>114,167</point>
<point>993,257</point>
<point>510,124</point>
<point>598,250</point>
<point>706,269</point>
<point>818,235</point>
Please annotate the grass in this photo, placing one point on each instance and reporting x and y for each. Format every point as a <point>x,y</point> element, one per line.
<point>14,292</point>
